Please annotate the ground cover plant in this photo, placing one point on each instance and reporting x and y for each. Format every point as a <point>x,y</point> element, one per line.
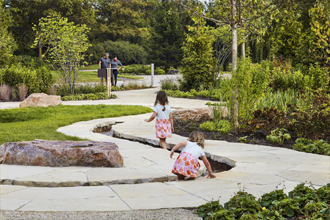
<point>302,202</point>
<point>27,124</point>
<point>89,96</point>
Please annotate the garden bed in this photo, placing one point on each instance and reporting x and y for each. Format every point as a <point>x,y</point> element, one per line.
<point>184,128</point>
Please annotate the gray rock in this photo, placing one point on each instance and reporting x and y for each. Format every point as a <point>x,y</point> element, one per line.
<point>41,99</point>
<point>61,153</point>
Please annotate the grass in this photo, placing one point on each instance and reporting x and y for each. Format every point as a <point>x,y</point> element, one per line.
<point>27,124</point>
<point>91,67</point>
<point>91,76</point>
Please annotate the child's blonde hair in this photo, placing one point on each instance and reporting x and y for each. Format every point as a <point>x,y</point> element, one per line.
<point>198,137</point>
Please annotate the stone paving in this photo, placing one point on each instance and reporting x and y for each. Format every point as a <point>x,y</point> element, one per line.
<point>145,181</point>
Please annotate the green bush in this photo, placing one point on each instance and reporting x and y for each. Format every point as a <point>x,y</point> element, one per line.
<point>37,80</point>
<point>315,147</point>
<point>223,126</point>
<point>127,53</point>
<point>318,77</point>
<point>303,202</point>
<point>136,69</point>
<point>169,84</point>
<point>28,61</point>
<point>312,121</point>
<point>91,96</point>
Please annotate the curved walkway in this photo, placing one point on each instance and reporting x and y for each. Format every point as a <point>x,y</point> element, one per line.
<point>257,170</point>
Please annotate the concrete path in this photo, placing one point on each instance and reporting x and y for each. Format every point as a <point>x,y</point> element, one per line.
<point>145,181</point>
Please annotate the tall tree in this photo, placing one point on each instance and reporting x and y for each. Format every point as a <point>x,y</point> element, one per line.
<point>166,35</point>
<point>7,42</point>
<point>236,13</point>
<point>27,13</point>
<point>67,43</point>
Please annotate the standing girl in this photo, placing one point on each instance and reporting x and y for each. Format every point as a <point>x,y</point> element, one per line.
<point>187,165</point>
<point>164,120</point>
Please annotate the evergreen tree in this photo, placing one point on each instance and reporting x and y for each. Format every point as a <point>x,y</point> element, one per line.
<point>198,61</point>
<point>166,35</point>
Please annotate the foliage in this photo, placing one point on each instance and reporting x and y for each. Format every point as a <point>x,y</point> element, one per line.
<point>250,82</point>
<point>243,203</point>
<point>136,69</point>
<point>37,80</point>
<point>198,63</point>
<point>28,61</point>
<point>209,207</point>
<point>121,20</point>
<point>277,99</point>
<point>278,136</point>
<point>223,126</point>
<point>303,202</point>
<point>7,42</point>
<point>126,52</point>
<point>28,124</point>
<point>315,147</point>
<point>320,26</point>
<point>312,121</point>
<point>267,120</point>
<point>166,35</point>
<point>266,200</point>
<point>67,43</point>
<point>89,96</point>
<point>169,84</point>
<point>27,13</point>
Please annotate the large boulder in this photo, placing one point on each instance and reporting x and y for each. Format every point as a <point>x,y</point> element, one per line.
<point>41,99</point>
<point>61,153</point>
<point>197,114</point>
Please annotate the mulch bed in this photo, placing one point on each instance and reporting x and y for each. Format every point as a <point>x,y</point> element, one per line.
<point>184,128</point>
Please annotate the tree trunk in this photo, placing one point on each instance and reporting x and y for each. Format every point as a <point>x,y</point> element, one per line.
<point>243,50</point>
<point>234,61</point>
<point>40,52</point>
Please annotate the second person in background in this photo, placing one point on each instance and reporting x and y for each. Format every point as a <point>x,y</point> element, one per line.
<point>114,66</point>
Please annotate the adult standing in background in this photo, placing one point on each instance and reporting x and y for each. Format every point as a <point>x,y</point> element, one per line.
<point>114,66</point>
<point>104,63</point>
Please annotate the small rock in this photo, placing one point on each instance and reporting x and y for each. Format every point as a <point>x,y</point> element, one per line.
<point>41,99</point>
<point>61,153</point>
<point>174,72</point>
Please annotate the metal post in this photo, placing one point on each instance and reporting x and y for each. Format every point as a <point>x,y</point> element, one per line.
<point>109,81</point>
<point>152,75</point>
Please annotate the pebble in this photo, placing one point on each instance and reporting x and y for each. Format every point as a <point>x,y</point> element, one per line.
<point>88,215</point>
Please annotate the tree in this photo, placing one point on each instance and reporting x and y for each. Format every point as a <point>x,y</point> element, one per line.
<point>7,42</point>
<point>198,62</point>
<point>122,20</point>
<point>235,13</point>
<point>320,15</point>
<point>67,43</point>
<point>166,35</point>
<point>27,13</point>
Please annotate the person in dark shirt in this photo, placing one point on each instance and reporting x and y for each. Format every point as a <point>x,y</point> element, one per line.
<point>114,66</point>
<point>104,63</point>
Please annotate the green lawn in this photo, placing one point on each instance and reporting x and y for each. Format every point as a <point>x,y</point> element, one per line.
<point>27,124</point>
<point>91,67</point>
<point>91,76</point>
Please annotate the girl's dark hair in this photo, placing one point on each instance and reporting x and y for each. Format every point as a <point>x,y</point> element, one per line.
<point>161,98</point>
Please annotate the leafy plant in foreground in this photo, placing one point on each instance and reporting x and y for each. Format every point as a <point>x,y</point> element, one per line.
<point>315,147</point>
<point>278,136</point>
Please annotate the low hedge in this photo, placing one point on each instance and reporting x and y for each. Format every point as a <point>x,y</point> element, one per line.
<point>90,96</point>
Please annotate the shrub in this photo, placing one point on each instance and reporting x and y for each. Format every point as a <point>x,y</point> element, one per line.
<point>277,99</point>
<point>127,53</point>
<point>169,84</point>
<point>312,121</point>
<point>137,69</point>
<point>223,126</point>
<point>92,96</point>
<point>37,80</point>
<point>5,92</point>
<point>267,120</point>
<point>22,91</point>
<point>243,203</point>
<point>315,147</point>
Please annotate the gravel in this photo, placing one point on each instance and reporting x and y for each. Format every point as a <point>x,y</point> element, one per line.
<point>135,214</point>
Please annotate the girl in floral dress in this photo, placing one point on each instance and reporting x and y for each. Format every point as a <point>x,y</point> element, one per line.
<point>187,165</point>
<point>164,120</point>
